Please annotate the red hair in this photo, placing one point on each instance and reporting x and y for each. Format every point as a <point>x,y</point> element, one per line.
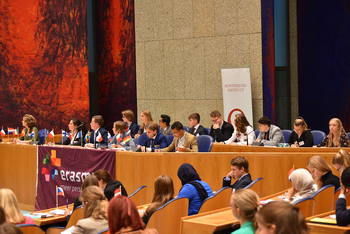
<point>122,213</point>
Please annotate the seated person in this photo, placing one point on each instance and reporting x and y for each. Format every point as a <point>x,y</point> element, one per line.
<point>30,132</point>
<point>123,217</point>
<point>341,160</point>
<point>145,117</point>
<point>195,128</point>
<point>163,192</point>
<point>75,138</point>
<point>244,205</point>
<point>9,203</point>
<point>193,188</point>
<point>9,229</point>
<point>341,211</point>
<point>301,136</point>
<point>239,171</point>
<point>269,133</point>
<point>108,185</point>
<point>280,217</point>
<point>182,142</point>
<point>98,135</point>
<point>131,126</point>
<point>244,133</point>
<point>302,185</point>
<point>322,172</point>
<point>95,211</point>
<point>164,124</point>
<point>154,140</point>
<point>220,130</point>
<point>337,136</point>
<point>121,138</point>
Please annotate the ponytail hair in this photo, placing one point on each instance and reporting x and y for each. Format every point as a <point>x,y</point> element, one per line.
<point>247,201</point>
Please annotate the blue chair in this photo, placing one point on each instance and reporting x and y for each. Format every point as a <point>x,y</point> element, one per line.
<point>186,128</point>
<point>257,132</point>
<point>104,231</point>
<point>140,139</point>
<point>220,199</point>
<point>205,143</point>
<point>286,133</point>
<point>30,229</point>
<point>318,136</point>
<point>208,130</point>
<point>348,133</point>
<point>169,139</point>
<point>256,187</point>
<point>306,206</point>
<point>323,199</point>
<point>139,196</point>
<point>42,136</point>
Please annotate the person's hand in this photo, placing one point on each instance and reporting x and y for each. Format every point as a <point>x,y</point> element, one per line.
<point>220,142</point>
<point>258,140</point>
<point>181,149</point>
<point>136,135</point>
<point>143,148</point>
<point>89,145</point>
<point>51,143</point>
<point>290,194</point>
<point>157,150</point>
<point>119,146</point>
<point>234,143</point>
<point>114,145</point>
<point>66,212</point>
<point>230,174</point>
<point>216,126</point>
<point>17,141</point>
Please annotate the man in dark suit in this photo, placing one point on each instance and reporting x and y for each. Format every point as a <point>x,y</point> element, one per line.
<point>131,126</point>
<point>98,135</point>
<point>341,213</point>
<point>220,130</point>
<point>239,171</point>
<point>195,128</point>
<point>154,139</point>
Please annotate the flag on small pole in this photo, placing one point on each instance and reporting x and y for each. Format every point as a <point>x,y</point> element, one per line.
<point>117,192</point>
<point>59,192</point>
<point>87,137</point>
<point>2,132</point>
<point>290,172</point>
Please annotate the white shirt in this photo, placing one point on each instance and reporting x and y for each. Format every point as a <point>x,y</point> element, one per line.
<point>181,140</point>
<point>242,137</point>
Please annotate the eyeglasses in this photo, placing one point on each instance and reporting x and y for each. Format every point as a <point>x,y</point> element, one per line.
<point>214,121</point>
<point>338,169</point>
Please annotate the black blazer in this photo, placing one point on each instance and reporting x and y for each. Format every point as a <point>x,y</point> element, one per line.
<point>76,141</point>
<point>159,140</point>
<point>104,135</point>
<point>246,180</point>
<point>111,187</point>
<point>200,130</point>
<point>223,134</point>
<point>341,213</point>
<point>134,129</point>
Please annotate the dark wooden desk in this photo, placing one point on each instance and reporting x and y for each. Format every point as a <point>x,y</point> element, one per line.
<point>317,228</point>
<point>54,219</point>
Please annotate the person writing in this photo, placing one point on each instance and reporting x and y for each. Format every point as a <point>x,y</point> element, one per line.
<point>154,139</point>
<point>269,134</point>
<point>302,185</point>
<point>301,136</point>
<point>31,133</point>
<point>244,133</point>
<point>337,136</point>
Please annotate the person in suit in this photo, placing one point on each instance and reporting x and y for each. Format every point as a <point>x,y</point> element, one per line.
<point>164,124</point>
<point>182,142</point>
<point>301,136</point>
<point>195,128</point>
<point>28,123</point>
<point>154,140</point>
<point>119,130</point>
<point>145,117</point>
<point>128,118</point>
<point>244,133</point>
<point>108,185</point>
<point>341,212</point>
<point>97,132</point>
<point>239,171</point>
<point>220,130</point>
<point>75,126</point>
<point>269,134</point>
<point>95,211</point>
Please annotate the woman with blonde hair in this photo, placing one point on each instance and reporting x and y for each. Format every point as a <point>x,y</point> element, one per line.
<point>279,217</point>
<point>322,172</point>
<point>337,136</point>
<point>301,136</point>
<point>244,205</point>
<point>163,192</point>
<point>145,118</point>
<point>244,133</point>
<point>95,211</point>
<point>302,185</point>
<point>9,203</point>
<point>341,160</point>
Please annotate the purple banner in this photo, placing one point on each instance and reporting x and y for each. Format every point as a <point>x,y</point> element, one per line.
<point>67,168</point>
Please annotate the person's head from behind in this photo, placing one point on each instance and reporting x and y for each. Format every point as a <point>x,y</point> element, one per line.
<point>28,121</point>
<point>151,129</point>
<point>345,178</point>
<point>244,204</point>
<point>7,228</point>
<point>89,181</point>
<point>3,218</point>
<point>177,129</point>
<point>318,166</point>
<point>163,189</point>
<point>164,121</point>
<point>103,178</point>
<point>280,217</point>
<point>241,123</point>
<point>122,213</point>
<point>194,119</point>
<point>94,202</point>
<point>299,125</point>
<point>239,167</point>
<point>128,116</point>
<point>216,117</point>
<point>341,160</point>
<point>264,124</point>
<point>9,203</point>
<point>187,173</point>
<point>119,127</point>
<point>301,180</point>
<point>96,122</point>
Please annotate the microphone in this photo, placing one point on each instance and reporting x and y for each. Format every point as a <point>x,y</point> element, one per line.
<point>79,126</point>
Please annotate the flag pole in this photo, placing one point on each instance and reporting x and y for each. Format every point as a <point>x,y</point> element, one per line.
<point>81,139</point>
<point>8,135</point>
<point>56,197</point>
<point>53,138</point>
<point>45,136</point>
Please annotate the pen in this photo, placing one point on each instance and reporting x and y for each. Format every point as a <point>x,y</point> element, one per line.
<point>67,204</point>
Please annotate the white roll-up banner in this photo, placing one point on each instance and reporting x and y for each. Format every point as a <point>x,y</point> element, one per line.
<point>237,94</point>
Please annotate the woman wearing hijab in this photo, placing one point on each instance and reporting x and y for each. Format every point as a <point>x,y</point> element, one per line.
<point>303,185</point>
<point>193,188</point>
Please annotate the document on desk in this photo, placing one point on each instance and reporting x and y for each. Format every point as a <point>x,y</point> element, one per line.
<point>69,230</point>
<point>324,221</point>
<point>43,215</point>
<point>57,212</point>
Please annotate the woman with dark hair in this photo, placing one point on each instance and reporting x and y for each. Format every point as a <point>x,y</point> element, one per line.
<point>301,136</point>
<point>337,136</point>
<point>163,192</point>
<point>193,188</point>
<point>31,133</point>
<point>243,132</point>
<point>123,217</point>
<point>95,211</point>
<point>75,137</point>
<point>108,185</point>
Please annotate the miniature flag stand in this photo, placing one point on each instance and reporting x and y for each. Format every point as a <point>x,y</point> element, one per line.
<point>59,192</point>
<point>117,192</point>
<point>290,172</point>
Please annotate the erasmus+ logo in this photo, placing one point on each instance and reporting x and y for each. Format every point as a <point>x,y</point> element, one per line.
<point>54,162</point>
